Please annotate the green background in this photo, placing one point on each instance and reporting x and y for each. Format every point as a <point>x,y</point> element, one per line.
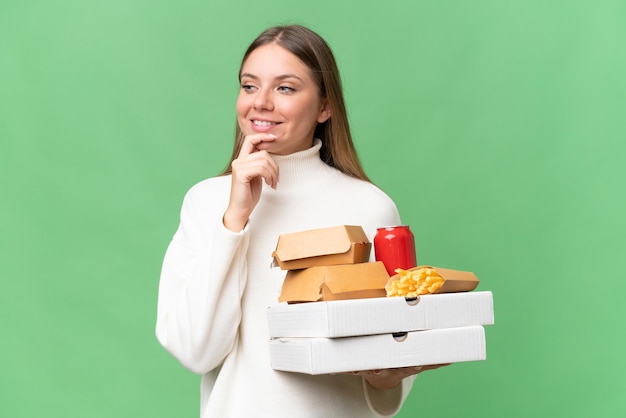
<point>497,127</point>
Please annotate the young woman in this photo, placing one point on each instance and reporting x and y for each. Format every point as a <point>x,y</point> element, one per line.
<point>294,167</point>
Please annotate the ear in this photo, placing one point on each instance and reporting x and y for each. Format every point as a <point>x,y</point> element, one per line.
<point>324,112</point>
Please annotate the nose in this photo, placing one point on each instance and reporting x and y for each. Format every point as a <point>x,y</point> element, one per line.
<point>263,100</point>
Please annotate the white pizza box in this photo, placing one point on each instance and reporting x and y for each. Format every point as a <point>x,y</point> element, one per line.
<point>382,351</point>
<point>353,317</point>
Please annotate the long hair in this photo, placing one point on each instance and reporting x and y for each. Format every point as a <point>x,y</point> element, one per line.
<point>337,147</point>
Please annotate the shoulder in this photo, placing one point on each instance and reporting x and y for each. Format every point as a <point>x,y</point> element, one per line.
<point>208,195</point>
<point>379,202</point>
<point>209,188</point>
<point>363,189</point>
<point>367,196</point>
<point>376,194</point>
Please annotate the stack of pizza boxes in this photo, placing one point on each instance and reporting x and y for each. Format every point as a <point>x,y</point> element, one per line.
<point>333,314</point>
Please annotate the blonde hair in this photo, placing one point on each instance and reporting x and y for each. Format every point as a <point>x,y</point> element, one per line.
<point>337,147</point>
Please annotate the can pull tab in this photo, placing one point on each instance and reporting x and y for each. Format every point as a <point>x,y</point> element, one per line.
<point>412,301</point>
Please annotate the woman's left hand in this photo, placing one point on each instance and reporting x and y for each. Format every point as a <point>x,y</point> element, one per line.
<point>390,378</point>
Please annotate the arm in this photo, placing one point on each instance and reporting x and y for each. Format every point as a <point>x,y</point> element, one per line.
<point>204,272</point>
<point>202,279</point>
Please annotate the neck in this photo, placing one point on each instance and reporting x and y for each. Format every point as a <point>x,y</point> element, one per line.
<point>300,167</point>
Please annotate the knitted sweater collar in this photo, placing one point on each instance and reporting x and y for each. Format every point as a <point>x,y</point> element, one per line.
<point>301,167</point>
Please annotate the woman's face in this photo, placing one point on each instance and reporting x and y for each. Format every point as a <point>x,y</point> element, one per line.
<point>279,96</point>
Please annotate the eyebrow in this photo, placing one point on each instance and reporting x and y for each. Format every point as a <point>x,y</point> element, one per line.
<point>280,77</point>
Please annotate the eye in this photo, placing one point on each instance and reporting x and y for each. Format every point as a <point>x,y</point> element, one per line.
<point>247,87</point>
<point>286,89</point>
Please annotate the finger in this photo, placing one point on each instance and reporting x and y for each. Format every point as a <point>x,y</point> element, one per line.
<point>249,173</point>
<point>270,167</point>
<point>251,142</point>
<point>435,366</point>
<point>256,165</point>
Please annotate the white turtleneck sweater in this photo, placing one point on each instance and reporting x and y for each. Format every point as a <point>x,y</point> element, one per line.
<point>216,286</point>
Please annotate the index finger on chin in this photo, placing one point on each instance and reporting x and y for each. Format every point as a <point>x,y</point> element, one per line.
<point>250,143</point>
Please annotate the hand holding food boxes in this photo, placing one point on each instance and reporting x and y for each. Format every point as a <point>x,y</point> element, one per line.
<point>352,324</point>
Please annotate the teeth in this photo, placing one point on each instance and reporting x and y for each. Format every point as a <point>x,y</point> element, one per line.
<point>263,123</point>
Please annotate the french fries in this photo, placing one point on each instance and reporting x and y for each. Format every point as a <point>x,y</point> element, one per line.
<point>412,283</point>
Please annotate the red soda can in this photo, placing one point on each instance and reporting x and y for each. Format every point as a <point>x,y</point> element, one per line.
<point>395,247</point>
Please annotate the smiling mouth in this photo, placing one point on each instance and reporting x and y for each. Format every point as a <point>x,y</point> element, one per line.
<point>263,123</point>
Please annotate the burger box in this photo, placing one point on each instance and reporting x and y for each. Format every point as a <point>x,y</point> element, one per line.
<point>338,282</point>
<point>382,351</point>
<point>380,315</point>
<point>345,244</point>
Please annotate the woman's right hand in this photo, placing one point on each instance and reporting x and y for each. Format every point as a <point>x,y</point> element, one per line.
<point>251,167</point>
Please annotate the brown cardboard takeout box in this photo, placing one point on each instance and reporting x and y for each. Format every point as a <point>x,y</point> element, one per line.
<point>346,281</point>
<point>453,280</point>
<point>346,244</point>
